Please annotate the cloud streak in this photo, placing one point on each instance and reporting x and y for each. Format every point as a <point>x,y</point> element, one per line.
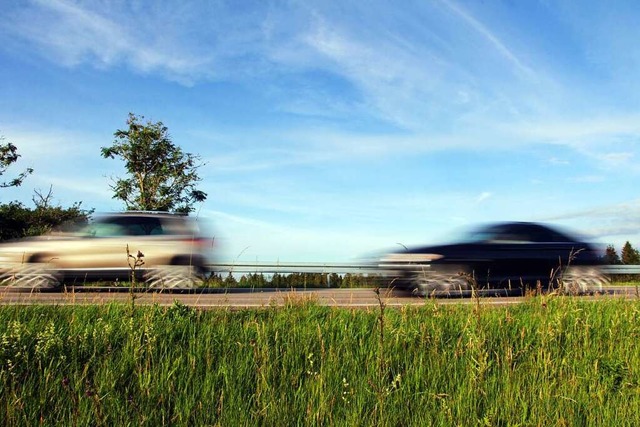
<point>498,44</point>
<point>75,33</point>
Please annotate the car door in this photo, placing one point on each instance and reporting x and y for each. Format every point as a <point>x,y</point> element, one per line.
<point>530,253</point>
<point>101,247</point>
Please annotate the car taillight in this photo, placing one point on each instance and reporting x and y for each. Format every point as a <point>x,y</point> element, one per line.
<point>201,242</point>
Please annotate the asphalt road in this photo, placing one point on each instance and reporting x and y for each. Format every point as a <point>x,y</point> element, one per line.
<point>244,298</point>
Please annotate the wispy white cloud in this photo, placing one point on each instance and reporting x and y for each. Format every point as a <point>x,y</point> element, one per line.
<point>35,142</point>
<point>75,33</point>
<point>394,86</point>
<point>606,222</point>
<point>558,162</point>
<point>248,239</point>
<point>611,141</point>
<point>587,179</point>
<point>419,80</point>
<point>483,196</point>
<point>618,159</point>
<point>492,38</point>
<point>605,37</point>
<point>319,145</point>
<point>86,188</point>
<point>68,161</point>
<point>252,160</point>
<point>578,131</point>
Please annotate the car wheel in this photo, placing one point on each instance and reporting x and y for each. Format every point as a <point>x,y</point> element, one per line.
<point>582,279</point>
<point>452,281</point>
<point>30,276</point>
<point>174,277</point>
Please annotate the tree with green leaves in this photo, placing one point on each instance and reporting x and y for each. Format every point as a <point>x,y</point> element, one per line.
<point>630,255</point>
<point>8,156</point>
<point>161,176</point>
<point>17,220</point>
<point>611,257</point>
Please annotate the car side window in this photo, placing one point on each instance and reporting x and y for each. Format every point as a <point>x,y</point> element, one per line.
<point>513,238</point>
<point>510,235</point>
<point>558,237</point>
<point>529,234</point>
<point>143,226</point>
<point>106,229</point>
<point>539,236</point>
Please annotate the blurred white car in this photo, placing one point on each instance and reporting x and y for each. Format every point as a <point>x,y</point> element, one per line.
<point>165,250</point>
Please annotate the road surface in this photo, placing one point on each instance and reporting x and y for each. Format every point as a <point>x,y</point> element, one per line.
<point>244,298</point>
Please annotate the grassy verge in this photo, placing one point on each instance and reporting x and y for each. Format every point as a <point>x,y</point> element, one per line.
<point>550,361</point>
<point>630,283</point>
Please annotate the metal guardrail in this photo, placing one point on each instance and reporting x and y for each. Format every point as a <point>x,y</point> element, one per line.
<point>295,267</point>
<point>346,267</point>
<point>621,269</point>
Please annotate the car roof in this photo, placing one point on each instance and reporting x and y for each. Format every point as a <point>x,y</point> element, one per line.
<point>150,213</point>
<point>553,233</point>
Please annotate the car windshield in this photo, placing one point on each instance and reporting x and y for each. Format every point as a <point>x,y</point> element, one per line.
<point>512,233</point>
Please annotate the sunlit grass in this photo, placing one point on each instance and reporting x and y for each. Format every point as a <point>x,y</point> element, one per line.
<point>549,361</point>
<point>626,283</point>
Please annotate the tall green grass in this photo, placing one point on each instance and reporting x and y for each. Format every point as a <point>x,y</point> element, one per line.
<point>549,361</point>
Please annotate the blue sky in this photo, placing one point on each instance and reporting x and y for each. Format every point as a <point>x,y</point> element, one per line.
<point>330,130</point>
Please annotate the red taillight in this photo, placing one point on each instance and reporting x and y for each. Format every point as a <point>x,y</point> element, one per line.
<point>201,243</point>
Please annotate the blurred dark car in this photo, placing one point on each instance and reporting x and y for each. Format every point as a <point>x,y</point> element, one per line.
<point>175,253</point>
<point>504,255</point>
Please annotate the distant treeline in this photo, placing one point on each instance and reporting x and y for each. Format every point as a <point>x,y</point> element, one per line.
<point>295,280</point>
<point>628,256</point>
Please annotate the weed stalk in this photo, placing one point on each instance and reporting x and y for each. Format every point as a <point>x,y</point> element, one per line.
<point>134,262</point>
